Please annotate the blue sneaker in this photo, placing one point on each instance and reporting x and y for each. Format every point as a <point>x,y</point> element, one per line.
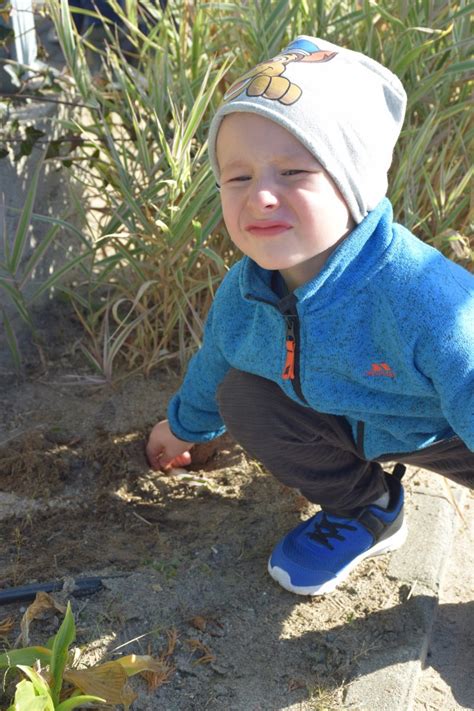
<point>319,554</point>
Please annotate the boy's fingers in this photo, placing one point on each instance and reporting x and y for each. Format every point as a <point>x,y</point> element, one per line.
<point>159,459</point>
<point>166,463</point>
<point>155,459</point>
<point>181,460</point>
<point>163,461</point>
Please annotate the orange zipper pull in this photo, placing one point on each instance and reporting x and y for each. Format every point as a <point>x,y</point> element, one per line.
<point>289,369</point>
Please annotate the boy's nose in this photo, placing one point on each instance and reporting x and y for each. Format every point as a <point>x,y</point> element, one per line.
<point>263,197</point>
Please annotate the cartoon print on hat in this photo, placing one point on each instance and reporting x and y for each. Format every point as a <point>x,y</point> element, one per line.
<point>267,80</point>
<point>344,107</point>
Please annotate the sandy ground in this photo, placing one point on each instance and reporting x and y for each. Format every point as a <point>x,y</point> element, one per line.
<point>186,555</point>
<point>174,548</point>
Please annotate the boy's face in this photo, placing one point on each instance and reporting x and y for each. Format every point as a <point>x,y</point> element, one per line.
<point>280,206</point>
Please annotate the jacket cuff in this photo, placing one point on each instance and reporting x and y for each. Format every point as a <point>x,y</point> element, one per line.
<point>184,434</point>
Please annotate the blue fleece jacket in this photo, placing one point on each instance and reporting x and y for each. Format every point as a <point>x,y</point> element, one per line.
<point>385,337</point>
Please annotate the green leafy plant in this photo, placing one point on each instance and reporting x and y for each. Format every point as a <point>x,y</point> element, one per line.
<point>52,683</point>
<point>41,690</point>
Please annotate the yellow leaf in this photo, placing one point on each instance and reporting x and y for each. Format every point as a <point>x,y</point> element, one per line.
<point>136,664</point>
<point>109,681</point>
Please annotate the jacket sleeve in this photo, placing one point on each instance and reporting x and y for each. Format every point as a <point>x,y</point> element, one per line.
<point>445,354</point>
<point>193,414</point>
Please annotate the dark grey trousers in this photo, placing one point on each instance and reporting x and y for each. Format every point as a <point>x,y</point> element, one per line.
<point>315,452</point>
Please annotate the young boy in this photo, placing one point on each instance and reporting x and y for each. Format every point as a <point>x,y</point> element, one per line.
<point>340,341</point>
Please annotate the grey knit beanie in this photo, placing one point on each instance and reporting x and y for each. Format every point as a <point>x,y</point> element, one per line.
<point>344,107</point>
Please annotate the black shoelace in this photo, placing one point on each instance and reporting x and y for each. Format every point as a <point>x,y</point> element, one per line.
<point>324,530</point>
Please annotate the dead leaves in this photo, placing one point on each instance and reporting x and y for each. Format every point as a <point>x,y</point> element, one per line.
<point>201,623</point>
<point>198,622</point>
<point>109,681</point>
<point>196,645</point>
<point>6,626</point>
<point>43,605</point>
<point>158,677</point>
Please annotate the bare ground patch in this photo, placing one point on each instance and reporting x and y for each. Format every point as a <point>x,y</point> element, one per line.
<point>180,554</point>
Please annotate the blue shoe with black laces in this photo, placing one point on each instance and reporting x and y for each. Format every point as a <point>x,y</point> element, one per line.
<point>319,554</point>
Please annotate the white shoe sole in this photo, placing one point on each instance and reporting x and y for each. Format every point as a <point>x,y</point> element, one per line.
<point>384,546</point>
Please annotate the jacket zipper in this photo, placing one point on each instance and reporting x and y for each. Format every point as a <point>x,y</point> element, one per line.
<point>290,344</point>
<point>291,370</point>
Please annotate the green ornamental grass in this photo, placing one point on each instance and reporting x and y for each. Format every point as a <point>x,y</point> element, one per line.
<point>153,247</point>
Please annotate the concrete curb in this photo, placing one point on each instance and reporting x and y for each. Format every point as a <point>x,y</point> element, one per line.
<point>389,682</point>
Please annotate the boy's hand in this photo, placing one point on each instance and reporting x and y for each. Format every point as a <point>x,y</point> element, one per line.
<point>164,450</point>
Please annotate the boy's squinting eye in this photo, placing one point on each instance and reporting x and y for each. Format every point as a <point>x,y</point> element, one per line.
<point>294,172</point>
<point>285,173</point>
<point>237,179</point>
